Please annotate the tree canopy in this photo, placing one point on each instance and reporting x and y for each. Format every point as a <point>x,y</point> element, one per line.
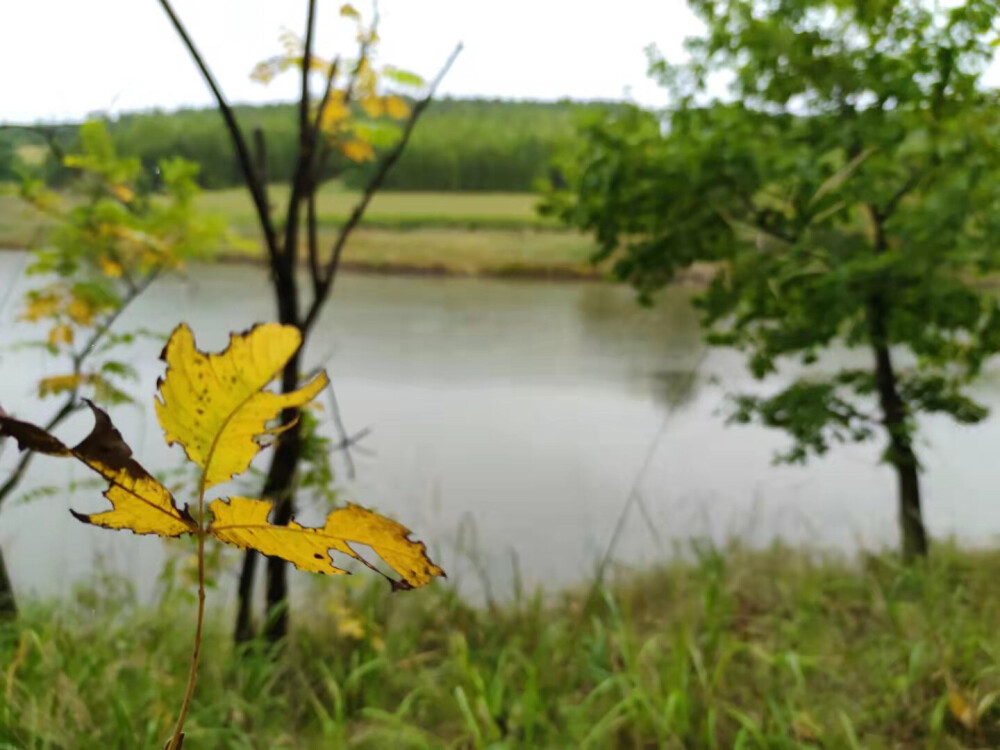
<point>845,189</point>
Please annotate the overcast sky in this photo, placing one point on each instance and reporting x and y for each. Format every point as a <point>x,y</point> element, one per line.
<point>61,59</point>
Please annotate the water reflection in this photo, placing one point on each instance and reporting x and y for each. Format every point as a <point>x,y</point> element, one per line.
<point>522,411</point>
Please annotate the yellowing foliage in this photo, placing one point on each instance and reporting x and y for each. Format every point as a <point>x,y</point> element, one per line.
<point>357,150</point>
<point>373,106</point>
<point>81,311</point>
<point>396,107</point>
<point>110,268</point>
<point>42,304</point>
<point>122,192</point>
<point>335,113</point>
<point>212,404</point>
<point>58,384</point>
<point>243,522</point>
<point>356,93</point>
<point>61,334</point>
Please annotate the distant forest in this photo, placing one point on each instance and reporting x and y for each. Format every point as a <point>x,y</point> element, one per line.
<point>459,144</point>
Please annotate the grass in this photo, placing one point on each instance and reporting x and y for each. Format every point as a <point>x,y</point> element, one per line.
<point>770,649</point>
<point>396,210</point>
<point>455,233</point>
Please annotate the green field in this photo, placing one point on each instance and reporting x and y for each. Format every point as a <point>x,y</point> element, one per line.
<point>458,233</point>
<point>774,649</point>
<point>398,210</point>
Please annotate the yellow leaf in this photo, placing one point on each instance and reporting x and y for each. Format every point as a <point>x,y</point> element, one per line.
<point>80,311</point>
<point>213,405</point>
<point>110,268</point>
<point>351,627</point>
<point>123,193</point>
<point>961,709</point>
<point>348,11</point>
<point>243,522</point>
<point>40,305</point>
<point>61,334</point>
<point>373,106</point>
<point>396,107</point>
<point>58,384</point>
<point>140,503</point>
<point>356,150</point>
<point>335,111</point>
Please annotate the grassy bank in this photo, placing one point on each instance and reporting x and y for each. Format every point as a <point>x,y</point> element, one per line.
<point>745,649</point>
<point>395,210</point>
<point>495,234</point>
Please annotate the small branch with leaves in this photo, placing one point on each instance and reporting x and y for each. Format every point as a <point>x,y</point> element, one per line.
<point>216,407</point>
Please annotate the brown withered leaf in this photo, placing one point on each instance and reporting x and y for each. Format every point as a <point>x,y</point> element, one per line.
<point>140,503</point>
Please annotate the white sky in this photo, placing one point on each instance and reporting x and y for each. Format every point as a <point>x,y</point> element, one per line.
<point>60,59</point>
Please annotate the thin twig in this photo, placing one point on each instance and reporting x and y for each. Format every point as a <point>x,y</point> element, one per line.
<point>346,441</point>
<point>374,183</point>
<point>304,161</point>
<point>71,404</point>
<point>239,142</point>
<point>312,237</point>
<point>102,329</point>
<point>178,737</point>
<point>634,497</point>
<point>260,161</point>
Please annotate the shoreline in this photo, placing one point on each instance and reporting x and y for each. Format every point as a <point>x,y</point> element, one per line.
<point>698,276</point>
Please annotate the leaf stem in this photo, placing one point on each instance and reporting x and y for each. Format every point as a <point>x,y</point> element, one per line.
<point>178,736</point>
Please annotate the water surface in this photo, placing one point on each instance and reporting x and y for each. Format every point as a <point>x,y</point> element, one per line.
<point>509,420</point>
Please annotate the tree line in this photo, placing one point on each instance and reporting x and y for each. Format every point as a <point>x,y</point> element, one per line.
<point>462,144</point>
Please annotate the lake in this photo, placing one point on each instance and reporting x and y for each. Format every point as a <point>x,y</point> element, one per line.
<point>509,421</point>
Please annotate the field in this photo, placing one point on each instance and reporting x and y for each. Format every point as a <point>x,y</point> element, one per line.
<point>459,233</point>
<point>768,649</point>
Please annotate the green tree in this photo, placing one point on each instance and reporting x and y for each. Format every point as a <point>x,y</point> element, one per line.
<point>846,193</point>
<point>102,250</point>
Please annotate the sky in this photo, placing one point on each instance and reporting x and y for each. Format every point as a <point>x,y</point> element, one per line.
<point>63,59</point>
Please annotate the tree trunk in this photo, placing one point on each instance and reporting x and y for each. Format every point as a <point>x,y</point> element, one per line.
<point>245,630</point>
<point>8,605</point>
<point>282,477</point>
<point>900,453</point>
<point>8,602</point>
<point>277,487</point>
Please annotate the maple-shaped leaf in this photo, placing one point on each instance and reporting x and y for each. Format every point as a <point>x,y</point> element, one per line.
<point>214,405</point>
<point>140,503</point>
<point>243,522</point>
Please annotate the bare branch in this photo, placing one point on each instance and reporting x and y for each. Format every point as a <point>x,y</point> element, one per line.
<point>306,65</point>
<point>313,240</point>
<point>236,135</point>
<point>374,183</point>
<point>134,291</point>
<point>260,159</point>
<point>346,442</point>
<point>7,488</point>
<point>304,160</point>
